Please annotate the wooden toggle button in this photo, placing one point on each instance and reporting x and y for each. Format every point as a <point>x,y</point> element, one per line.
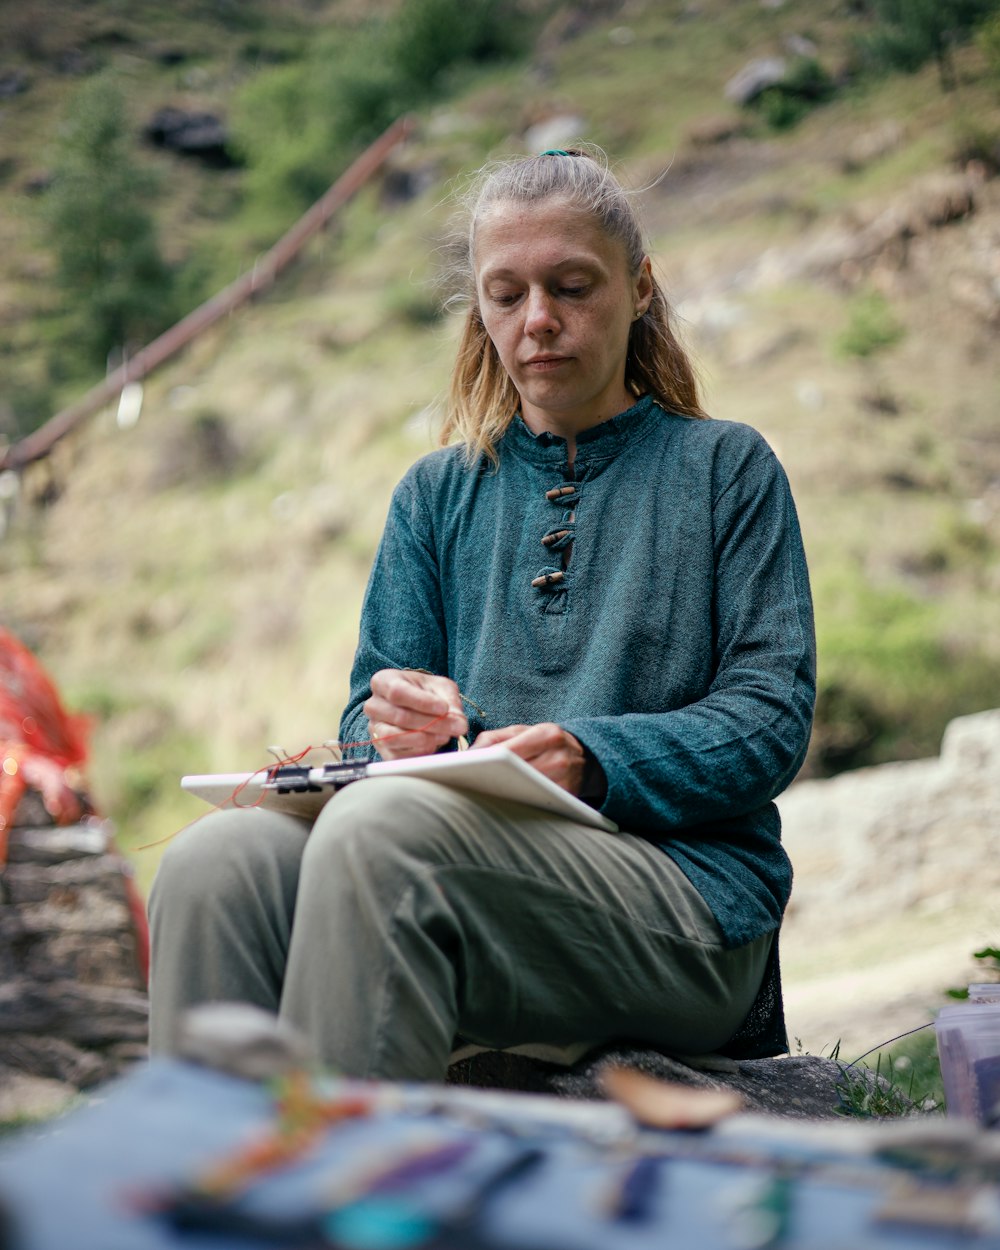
<point>548,579</point>
<point>549,539</point>
<point>557,492</point>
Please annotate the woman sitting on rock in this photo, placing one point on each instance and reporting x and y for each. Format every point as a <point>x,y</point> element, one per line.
<point>613,587</point>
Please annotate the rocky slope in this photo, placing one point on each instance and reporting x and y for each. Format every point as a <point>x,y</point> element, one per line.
<point>896,885</point>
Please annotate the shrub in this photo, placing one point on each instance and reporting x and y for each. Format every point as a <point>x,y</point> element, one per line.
<point>286,136</point>
<point>108,261</point>
<point>297,124</point>
<point>431,36</point>
<point>909,33</point>
<point>891,674</point>
<point>871,327</point>
<point>806,85</point>
<point>977,141</point>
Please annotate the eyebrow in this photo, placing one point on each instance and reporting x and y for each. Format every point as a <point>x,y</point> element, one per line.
<point>570,262</point>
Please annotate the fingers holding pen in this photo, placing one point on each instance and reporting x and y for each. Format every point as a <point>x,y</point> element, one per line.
<point>409,699</point>
<point>403,701</point>
<point>391,742</point>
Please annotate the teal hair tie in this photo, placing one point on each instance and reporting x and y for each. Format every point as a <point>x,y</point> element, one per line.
<point>554,152</point>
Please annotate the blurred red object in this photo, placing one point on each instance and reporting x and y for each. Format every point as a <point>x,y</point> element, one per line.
<point>44,748</point>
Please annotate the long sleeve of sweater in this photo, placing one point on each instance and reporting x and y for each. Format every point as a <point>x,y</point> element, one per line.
<point>402,616</point>
<point>733,750</point>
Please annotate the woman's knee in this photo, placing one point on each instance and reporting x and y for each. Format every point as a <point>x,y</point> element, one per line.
<point>394,818</point>
<point>388,825</point>
<point>222,853</point>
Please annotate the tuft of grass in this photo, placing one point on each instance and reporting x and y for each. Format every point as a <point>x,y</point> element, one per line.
<point>872,327</point>
<point>905,1079</point>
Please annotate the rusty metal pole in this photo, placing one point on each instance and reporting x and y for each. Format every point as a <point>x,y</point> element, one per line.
<point>40,442</point>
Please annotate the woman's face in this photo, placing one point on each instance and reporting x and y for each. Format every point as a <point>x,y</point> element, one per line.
<point>557,299</point>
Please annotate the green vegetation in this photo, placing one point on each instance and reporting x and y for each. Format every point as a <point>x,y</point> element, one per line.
<point>908,1066</point>
<point>988,41</point>
<point>990,958</point>
<point>909,33</point>
<point>897,1079</point>
<point>321,109</point>
<point>806,85</point>
<point>108,264</point>
<point>878,646</point>
<point>871,327</point>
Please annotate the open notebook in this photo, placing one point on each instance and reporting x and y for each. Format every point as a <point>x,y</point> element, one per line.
<point>303,791</point>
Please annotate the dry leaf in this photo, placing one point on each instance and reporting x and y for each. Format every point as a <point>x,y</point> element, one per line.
<point>664,1104</point>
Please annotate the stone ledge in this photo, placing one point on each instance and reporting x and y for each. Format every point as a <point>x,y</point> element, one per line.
<point>794,1086</point>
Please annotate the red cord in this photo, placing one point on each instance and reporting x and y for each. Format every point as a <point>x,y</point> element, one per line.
<point>272,769</point>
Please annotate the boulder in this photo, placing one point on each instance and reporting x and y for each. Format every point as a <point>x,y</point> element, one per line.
<point>13,82</point>
<point>73,1005</point>
<point>803,1087</point>
<point>928,819</point>
<point>202,136</point>
<point>800,46</point>
<point>710,131</point>
<point>755,78</point>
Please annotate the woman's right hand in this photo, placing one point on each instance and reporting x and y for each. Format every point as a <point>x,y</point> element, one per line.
<point>413,713</point>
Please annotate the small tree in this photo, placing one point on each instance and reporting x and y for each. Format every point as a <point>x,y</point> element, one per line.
<point>108,261</point>
<point>909,33</point>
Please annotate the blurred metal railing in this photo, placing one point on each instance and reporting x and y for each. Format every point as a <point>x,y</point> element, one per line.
<point>40,442</point>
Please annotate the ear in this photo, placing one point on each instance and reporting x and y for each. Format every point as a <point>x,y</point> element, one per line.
<point>643,289</point>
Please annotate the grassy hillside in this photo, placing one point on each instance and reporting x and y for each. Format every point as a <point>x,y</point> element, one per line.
<point>195,581</point>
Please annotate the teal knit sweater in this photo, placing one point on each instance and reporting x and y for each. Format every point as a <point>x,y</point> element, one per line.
<point>677,646</point>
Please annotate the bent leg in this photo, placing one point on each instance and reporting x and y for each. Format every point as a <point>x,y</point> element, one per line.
<point>220,913</point>
<point>423,912</point>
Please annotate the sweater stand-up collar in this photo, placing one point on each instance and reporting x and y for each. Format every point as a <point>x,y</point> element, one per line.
<point>600,442</point>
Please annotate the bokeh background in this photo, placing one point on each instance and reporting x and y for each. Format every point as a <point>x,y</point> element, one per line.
<point>819,182</point>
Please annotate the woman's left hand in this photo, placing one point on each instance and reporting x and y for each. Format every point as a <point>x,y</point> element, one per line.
<point>547,747</point>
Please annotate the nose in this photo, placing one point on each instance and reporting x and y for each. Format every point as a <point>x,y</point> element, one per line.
<point>540,314</point>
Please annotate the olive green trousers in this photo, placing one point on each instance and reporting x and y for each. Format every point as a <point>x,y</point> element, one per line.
<point>412,913</point>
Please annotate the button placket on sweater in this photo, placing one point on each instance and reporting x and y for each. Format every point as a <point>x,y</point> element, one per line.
<point>550,580</point>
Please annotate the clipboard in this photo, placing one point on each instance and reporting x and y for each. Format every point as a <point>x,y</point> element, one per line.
<point>301,790</point>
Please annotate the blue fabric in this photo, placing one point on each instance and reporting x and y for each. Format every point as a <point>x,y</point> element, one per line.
<point>678,646</point>
<point>84,1183</point>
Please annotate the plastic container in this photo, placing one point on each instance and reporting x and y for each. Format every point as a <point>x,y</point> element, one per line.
<point>968,1041</point>
<point>984,992</point>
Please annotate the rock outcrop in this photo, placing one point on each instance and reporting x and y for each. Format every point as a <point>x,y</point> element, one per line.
<point>73,1006</point>
<point>896,886</point>
<point>803,1087</point>
<point>881,841</point>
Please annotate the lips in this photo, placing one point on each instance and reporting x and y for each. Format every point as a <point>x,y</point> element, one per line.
<point>542,363</point>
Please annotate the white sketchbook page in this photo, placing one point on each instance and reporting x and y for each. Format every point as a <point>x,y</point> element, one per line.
<point>499,773</point>
<point>247,790</point>
<point>494,771</point>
